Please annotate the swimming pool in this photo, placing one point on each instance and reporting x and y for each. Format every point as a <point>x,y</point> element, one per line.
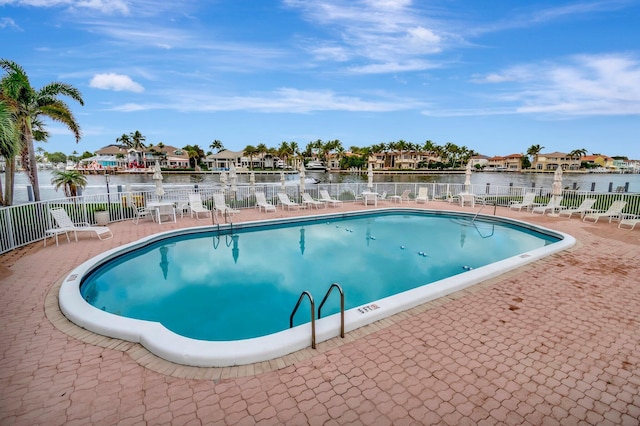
<point>393,252</point>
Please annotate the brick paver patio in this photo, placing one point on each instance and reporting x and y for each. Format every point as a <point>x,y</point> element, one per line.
<point>555,342</point>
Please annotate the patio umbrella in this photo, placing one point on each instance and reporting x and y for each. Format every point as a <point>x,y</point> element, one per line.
<point>233,177</point>
<point>556,188</point>
<point>157,177</point>
<point>302,177</point>
<point>252,183</point>
<point>370,176</point>
<point>223,181</point>
<point>282,182</point>
<point>467,178</point>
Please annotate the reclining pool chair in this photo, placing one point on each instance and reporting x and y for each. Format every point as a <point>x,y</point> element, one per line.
<point>196,206</point>
<point>262,203</point>
<point>614,210</point>
<point>66,225</point>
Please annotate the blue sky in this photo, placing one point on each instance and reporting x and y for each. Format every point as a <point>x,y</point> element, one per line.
<point>496,77</point>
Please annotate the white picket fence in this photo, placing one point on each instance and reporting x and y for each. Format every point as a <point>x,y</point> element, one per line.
<point>26,223</point>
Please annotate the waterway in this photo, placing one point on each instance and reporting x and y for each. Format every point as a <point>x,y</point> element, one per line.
<point>96,184</point>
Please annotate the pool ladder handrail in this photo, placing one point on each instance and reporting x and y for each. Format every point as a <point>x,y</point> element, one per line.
<point>326,296</point>
<point>313,318</point>
<point>484,203</point>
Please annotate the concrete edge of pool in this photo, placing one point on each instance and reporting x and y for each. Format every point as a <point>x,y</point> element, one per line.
<point>182,350</point>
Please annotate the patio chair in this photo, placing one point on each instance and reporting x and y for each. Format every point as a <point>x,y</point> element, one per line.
<point>310,202</point>
<point>423,195</point>
<point>66,225</point>
<point>196,207</point>
<point>262,203</point>
<point>220,205</point>
<point>324,196</point>
<point>402,197</point>
<point>141,213</point>
<point>582,209</point>
<point>629,222</point>
<point>286,202</point>
<point>614,210</point>
<point>552,205</point>
<point>528,202</point>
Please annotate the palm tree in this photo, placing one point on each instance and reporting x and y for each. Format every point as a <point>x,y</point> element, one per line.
<point>262,150</point>
<point>125,140</point>
<point>30,106</point>
<point>70,180</point>
<point>9,148</point>
<point>430,148</point>
<point>533,151</point>
<point>195,154</point>
<point>284,151</point>
<point>295,150</point>
<point>250,151</point>
<point>217,145</point>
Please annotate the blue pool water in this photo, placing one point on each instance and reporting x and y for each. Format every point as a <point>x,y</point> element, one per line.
<point>244,284</point>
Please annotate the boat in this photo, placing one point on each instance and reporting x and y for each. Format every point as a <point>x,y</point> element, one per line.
<point>316,165</point>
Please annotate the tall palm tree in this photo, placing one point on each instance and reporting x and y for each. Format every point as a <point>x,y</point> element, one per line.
<point>284,151</point>
<point>9,148</point>
<point>31,105</point>
<point>69,180</point>
<point>430,148</point>
<point>534,151</point>
<point>217,145</point>
<point>125,140</point>
<point>250,151</point>
<point>262,150</point>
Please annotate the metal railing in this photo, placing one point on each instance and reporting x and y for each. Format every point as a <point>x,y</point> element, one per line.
<point>313,316</point>
<point>326,296</point>
<point>26,223</point>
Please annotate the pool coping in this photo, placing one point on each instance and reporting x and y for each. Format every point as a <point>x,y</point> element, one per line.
<point>181,350</point>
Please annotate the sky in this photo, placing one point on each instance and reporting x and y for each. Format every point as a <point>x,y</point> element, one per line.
<point>496,77</point>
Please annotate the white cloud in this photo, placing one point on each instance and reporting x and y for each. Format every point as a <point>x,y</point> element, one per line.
<point>381,35</point>
<point>284,100</point>
<point>584,85</point>
<point>117,82</point>
<point>8,23</point>
<point>103,6</point>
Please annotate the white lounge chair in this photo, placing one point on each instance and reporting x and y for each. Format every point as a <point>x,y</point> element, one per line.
<point>552,205</point>
<point>402,197</point>
<point>220,205</point>
<point>528,202</point>
<point>584,208</point>
<point>423,195</point>
<point>196,206</point>
<point>308,201</point>
<point>614,210</point>
<point>629,222</point>
<point>286,202</point>
<point>66,225</point>
<point>324,196</point>
<point>262,203</point>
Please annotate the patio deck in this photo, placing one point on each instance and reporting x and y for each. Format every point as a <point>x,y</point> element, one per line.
<point>554,342</point>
